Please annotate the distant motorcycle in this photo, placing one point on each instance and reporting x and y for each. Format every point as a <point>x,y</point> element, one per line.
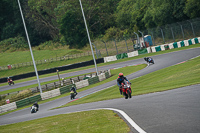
<point>33,109</point>
<point>72,95</point>
<point>126,89</point>
<point>10,82</point>
<point>149,60</point>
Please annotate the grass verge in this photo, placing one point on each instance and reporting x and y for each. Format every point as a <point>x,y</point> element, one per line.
<point>104,121</point>
<point>60,63</point>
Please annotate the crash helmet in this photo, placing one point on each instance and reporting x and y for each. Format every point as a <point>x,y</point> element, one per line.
<point>121,74</point>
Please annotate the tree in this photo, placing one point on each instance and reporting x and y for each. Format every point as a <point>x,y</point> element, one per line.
<point>192,8</point>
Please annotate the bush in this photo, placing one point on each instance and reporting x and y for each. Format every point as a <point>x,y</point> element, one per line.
<point>21,95</point>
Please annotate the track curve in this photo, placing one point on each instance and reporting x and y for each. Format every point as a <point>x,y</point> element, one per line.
<point>156,112</point>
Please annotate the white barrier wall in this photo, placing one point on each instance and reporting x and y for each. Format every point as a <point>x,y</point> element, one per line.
<point>82,84</point>
<point>149,50</point>
<point>162,47</point>
<point>186,43</point>
<point>8,107</point>
<point>193,42</point>
<point>109,72</point>
<point>102,77</point>
<point>131,54</point>
<point>179,44</point>
<point>153,49</point>
<point>171,46</point>
<point>199,39</point>
<point>110,58</point>
<point>50,94</point>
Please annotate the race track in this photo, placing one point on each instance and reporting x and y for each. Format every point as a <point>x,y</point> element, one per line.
<point>171,111</point>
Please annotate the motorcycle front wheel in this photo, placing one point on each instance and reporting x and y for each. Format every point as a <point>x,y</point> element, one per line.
<point>129,94</point>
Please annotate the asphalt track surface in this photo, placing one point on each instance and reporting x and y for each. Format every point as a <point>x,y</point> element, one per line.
<point>173,111</point>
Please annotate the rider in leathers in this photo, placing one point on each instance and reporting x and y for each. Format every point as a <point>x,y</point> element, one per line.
<point>120,80</point>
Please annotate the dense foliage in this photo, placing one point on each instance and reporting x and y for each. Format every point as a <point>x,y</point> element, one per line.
<point>62,20</point>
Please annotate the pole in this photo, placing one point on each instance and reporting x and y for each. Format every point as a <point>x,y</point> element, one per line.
<point>115,46</point>
<point>192,28</point>
<point>126,44</point>
<point>30,47</point>
<point>106,47</point>
<point>89,38</point>
<point>58,76</point>
<point>181,30</point>
<point>162,35</point>
<point>96,50</point>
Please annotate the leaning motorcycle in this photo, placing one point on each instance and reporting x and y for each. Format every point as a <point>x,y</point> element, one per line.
<point>72,95</point>
<point>33,109</point>
<point>126,89</point>
<point>150,60</point>
<point>10,82</point>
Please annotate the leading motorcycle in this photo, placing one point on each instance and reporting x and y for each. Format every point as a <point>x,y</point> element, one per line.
<point>33,109</point>
<point>126,89</point>
<point>10,82</point>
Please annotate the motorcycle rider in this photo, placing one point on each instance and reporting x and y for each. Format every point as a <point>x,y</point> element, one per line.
<point>36,105</point>
<point>120,80</point>
<point>74,90</point>
<point>9,79</point>
<point>148,59</point>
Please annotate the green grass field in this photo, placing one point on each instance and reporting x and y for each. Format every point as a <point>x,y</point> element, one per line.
<point>22,70</point>
<point>98,121</point>
<point>165,79</point>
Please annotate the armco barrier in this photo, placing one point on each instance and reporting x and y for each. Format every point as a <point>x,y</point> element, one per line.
<point>182,44</point>
<point>50,94</point>
<point>62,68</point>
<point>8,107</point>
<point>196,40</point>
<point>27,101</point>
<point>102,76</point>
<point>93,80</point>
<point>122,56</point>
<point>190,42</point>
<point>66,89</point>
<point>186,43</point>
<point>110,58</point>
<point>193,41</point>
<point>171,46</point>
<point>107,75</point>
<point>132,54</point>
<point>82,84</point>
<point>175,45</point>
<point>162,47</point>
<point>143,51</point>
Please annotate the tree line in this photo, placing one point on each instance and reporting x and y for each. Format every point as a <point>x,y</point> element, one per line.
<point>62,20</point>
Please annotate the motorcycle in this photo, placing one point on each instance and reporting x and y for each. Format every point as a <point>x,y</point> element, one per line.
<point>72,95</point>
<point>126,89</point>
<point>149,60</point>
<point>10,82</point>
<point>33,109</point>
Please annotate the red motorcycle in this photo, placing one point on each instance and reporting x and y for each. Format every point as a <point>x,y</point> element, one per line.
<point>126,89</point>
<point>10,82</point>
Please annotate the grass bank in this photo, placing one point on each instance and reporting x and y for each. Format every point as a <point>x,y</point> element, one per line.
<point>22,70</point>
<point>97,121</point>
<point>176,76</point>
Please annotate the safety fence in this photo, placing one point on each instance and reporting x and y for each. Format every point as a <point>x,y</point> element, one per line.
<point>166,34</point>
<point>64,87</point>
